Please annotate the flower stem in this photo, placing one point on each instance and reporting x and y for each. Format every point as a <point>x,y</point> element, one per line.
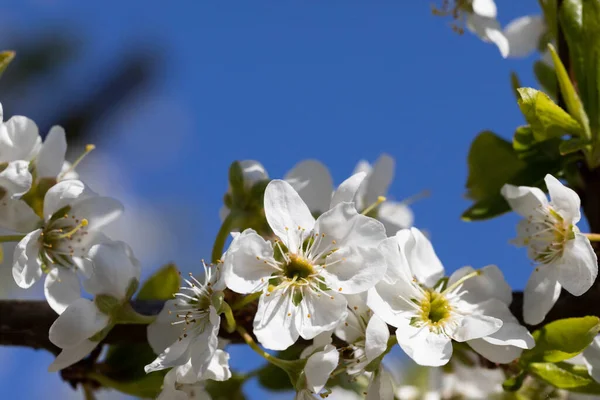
<point>593,237</point>
<point>88,392</point>
<point>11,238</point>
<point>244,301</point>
<point>231,325</point>
<point>219,245</point>
<point>283,364</point>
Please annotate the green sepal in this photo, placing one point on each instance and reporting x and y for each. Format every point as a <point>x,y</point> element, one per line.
<point>107,304</point>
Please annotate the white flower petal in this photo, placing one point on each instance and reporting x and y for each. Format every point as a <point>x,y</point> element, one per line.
<point>495,353</point>
<point>348,228</point>
<point>540,294</point>
<point>63,194</point>
<point>285,211</point>
<point>423,346</point>
<point>490,284</point>
<point>379,179</point>
<point>16,179</point>
<point>485,8</point>
<point>244,272</point>
<point>313,182</point>
<point>381,386</point>
<point>386,300</point>
<point>114,268</point>
<point>320,313</point>
<point>395,216</point>
<point>578,267</point>
<point>78,322</point>
<point>275,320</point>
<point>176,354</point>
<point>524,199</point>
<point>523,35</point>
<point>70,355</point>
<point>19,139</point>
<point>352,270</point>
<point>421,257</point>
<point>51,157</point>
<point>565,199</point>
<point>319,367</point>
<point>475,326</point>
<point>397,265</point>
<point>61,288</point>
<point>162,333</point>
<point>591,359</point>
<point>376,338</point>
<point>98,210</point>
<point>16,215</point>
<point>488,29</point>
<point>218,368</point>
<point>346,192</point>
<point>27,268</point>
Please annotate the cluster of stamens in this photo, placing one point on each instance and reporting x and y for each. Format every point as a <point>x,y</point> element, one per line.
<point>62,236</point>
<point>193,306</point>
<point>547,233</point>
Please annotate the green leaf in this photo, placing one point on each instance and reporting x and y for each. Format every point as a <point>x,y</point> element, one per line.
<point>572,101</point>
<point>125,362</point>
<point>546,119</point>
<point>492,162</point>
<point>230,389</point>
<point>565,376</point>
<point>573,145</point>
<point>148,386</point>
<point>546,77</point>
<point>162,285</point>
<point>523,139</point>
<point>515,83</point>
<point>486,208</point>
<point>588,77</point>
<point>5,59</point>
<point>514,383</point>
<point>561,340</point>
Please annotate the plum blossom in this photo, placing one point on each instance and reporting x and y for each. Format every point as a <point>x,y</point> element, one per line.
<point>19,138</point>
<point>524,35</point>
<point>563,255</point>
<point>367,336</point>
<point>185,332</point>
<point>305,273</point>
<point>74,217</point>
<point>430,312</point>
<point>319,366</point>
<point>393,214</point>
<point>16,181</point>
<point>79,328</point>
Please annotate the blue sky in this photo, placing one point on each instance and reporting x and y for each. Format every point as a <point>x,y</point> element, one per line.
<point>282,81</point>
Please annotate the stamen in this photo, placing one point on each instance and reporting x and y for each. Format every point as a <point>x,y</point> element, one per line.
<point>82,224</point>
<point>367,210</point>
<point>461,281</point>
<point>88,149</point>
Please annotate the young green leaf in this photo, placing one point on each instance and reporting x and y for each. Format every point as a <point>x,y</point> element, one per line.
<point>546,77</point>
<point>561,340</point>
<point>565,376</point>
<point>573,145</point>
<point>161,285</point>
<point>546,119</point>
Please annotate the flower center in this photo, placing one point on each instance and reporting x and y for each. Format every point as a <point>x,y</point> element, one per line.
<point>435,308</point>
<point>547,235</point>
<point>297,267</point>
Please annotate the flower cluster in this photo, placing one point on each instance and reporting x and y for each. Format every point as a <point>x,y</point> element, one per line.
<point>339,267</point>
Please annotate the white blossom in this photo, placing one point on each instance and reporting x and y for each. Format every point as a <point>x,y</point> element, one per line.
<point>305,273</point>
<point>564,256</point>
<point>185,332</point>
<point>318,369</point>
<point>15,181</point>
<point>74,217</point>
<point>430,312</point>
<point>114,271</point>
<point>524,35</point>
<point>19,138</point>
<point>393,214</point>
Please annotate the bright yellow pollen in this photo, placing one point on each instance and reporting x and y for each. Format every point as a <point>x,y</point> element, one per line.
<point>435,309</point>
<point>297,267</point>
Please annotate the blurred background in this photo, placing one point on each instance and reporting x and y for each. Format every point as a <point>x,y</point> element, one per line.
<point>172,93</point>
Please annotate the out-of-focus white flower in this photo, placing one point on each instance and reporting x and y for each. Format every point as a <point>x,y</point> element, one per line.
<point>394,215</point>
<point>114,271</point>
<point>482,21</point>
<point>318,369</point>
<point>173,390</point>
<point>19,138</point>
<point>430,312</point>
<point>186,330</point>
<point>74,217</point>
<point>305,274</point>
<point>564,256</point>
<point>591,358</point>
<point>15,214</point>
<point>524,34</point>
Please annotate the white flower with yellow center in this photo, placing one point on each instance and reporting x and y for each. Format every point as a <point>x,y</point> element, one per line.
<point>430,312</point>
<point>74,217</point>
<point>185,332</point>
<point>564,256</point>
<point>305,273</point>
